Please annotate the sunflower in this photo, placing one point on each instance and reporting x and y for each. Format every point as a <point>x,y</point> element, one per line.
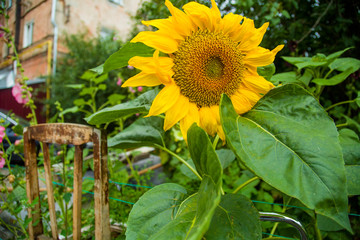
<point>203,56</point>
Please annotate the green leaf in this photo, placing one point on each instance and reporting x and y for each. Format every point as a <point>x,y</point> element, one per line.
<point>143,132</point>
<point>79,102</point>
<point>226,157</point>
<point>203,154</point>
<point>350,145</point>
<point>310,64</point>
<point>266,71</point>
<point>342,64</point>
<point>87,91</point>
<point>102,86</point>
<point>235,218</point>
<point>69,110</point>
<point>156,208</point>
<point>294,60</point>
<point>289,141</point>
<point>75,86</point>
<point>121,57</point>
<point>306,77</point>
<point>354,125</point>
<point>353,179</point>
<point>88,75</point>
<point>99,69</point>
<point>100,78</point>
<point>140,104</point>
<point>335,55</point>
<point>335,79</point>
<point>286,77</point>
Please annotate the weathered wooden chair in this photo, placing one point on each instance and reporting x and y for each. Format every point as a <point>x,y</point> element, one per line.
<point>78,135</point>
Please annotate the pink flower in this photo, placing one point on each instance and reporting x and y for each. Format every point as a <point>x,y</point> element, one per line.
<point>130,67</point>
<point>119,81</point>
<point>2,160</point>
<point>17,142</point>
<point>17,92</point>
<point>132,90</point>
<point>2,133</point>
<point>140,89</point>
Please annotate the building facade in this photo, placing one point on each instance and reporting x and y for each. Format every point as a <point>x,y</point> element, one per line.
<point>39,28</point>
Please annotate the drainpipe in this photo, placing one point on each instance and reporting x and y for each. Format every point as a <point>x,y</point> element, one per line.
<point>53,22</point>
<point>17,24</point>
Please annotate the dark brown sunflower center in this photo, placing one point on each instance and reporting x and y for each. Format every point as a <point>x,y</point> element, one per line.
<point>206,65</point>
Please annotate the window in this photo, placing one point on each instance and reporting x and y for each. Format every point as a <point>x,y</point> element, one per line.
<point>28,34</point>
<point>120,2</point>
<point>6,4</point>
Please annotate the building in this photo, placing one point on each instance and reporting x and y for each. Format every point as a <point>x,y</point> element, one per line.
<point>39,27</point>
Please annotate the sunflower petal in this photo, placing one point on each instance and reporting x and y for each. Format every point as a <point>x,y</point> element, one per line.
<point>182,22</point>
<point>159,40</point>
<point>261,56</point>
<point>165,25</point>
<point>165,99</point>
<point>177,112</point>
<point>231,23</point>
<point>142,79</point>
<point>243,100</point>
<point>253,40</point>
<point>257,84</point>
<point>191,117</point>
<point>202,16</point>
<point>147,64</point>
<point>208,120</point>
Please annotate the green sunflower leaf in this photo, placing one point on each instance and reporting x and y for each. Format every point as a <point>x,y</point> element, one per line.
<point>120,58</point>
<point>342,64</point>
<point>289,141</point>
<point>158,215</point>
<point>143,132</point>
<point>339,78</point>
<point>140,104</point>
<point>238,217</point>
<point>350,144</point>
<point>155,209</point>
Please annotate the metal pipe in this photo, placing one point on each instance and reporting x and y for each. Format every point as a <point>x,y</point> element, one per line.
<point>277,217</point>
<point>53,22</point>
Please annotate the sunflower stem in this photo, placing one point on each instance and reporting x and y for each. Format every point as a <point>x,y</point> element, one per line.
<point>340,103</point>
<point>245,184</point>
<point>216,140</point>
<point>181,160</point>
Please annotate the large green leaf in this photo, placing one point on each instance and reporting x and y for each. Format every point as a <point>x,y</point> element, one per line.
<point>350,144</point>
<point>120,58</point>
<point>154,210</point>
<point>140,104</point>
<point>289,141</point>
<point>236,218</point>
<point>143,132</point>
<point>335,55</point>
<point>294,60</point>
<point>339,78</point>
<point>342,64</point>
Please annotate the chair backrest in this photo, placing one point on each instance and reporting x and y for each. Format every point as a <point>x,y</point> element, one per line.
<point>64,133</point>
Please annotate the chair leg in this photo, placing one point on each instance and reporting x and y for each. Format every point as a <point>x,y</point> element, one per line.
<point>50,191</point>
<point>101,195</point>
<point>32,186</point>
<point>78,164</point>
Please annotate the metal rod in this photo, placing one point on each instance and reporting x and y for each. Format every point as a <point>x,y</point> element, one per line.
<point>277,217</point>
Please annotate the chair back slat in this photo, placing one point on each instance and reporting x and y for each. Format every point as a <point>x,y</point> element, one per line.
<point>50,192</point>
<point>78,135</point>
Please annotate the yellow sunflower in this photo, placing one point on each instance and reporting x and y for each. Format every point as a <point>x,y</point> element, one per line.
<point>205,56</point>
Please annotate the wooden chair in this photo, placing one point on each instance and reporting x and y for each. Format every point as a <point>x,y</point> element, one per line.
<point>64,133</point>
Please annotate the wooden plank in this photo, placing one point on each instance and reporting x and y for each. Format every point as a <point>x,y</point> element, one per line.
<point>101,192</point>
<point>62,133</point>
<point>78,164</point>
<point>32,186</point>
<point>50,191</point>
